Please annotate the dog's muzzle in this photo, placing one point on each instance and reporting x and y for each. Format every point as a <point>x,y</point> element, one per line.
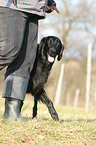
<point>50,58</point>
<point>51,55</point>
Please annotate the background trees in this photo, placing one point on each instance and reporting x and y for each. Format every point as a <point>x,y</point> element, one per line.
<point>76,26</point>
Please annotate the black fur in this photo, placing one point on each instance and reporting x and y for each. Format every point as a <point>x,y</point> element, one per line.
<point>49,46</point>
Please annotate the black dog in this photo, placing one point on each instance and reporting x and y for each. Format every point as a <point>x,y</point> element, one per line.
<point>47,50</point>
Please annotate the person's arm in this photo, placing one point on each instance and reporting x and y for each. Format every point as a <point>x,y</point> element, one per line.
<point>51,5</point>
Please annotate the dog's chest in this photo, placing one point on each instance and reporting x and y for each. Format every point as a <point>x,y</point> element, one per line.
<point>41,74</point>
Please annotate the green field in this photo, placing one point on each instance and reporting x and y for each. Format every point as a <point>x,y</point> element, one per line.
<point>76,127</point>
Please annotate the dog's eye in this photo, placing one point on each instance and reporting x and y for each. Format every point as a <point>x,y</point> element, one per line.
<point>50,42</point>
<point>57,43</point>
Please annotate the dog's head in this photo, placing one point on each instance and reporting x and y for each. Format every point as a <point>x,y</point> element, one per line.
<point>51,47</point>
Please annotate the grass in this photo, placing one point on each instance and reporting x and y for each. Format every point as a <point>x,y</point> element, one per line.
<point>76,127</point>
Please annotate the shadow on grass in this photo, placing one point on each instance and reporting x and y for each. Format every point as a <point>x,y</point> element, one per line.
<point>61,120</point>
<point>38,118</point>
<point>78,120</point>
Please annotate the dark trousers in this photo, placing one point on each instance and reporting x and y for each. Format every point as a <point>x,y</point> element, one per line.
<point>18,42</point>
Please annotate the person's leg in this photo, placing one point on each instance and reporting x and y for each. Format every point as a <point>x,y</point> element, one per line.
<point>10,44</point>
<point>18,72</point>
<point>23,64</point>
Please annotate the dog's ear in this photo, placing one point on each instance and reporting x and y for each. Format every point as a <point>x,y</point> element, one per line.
<point>42,44</point>
<point>61,53</point>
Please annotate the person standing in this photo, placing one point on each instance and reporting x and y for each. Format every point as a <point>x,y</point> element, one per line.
<point>18,43</point>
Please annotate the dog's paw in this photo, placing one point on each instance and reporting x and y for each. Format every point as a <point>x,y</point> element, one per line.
<point>55,116</point>
<point>34,117</point>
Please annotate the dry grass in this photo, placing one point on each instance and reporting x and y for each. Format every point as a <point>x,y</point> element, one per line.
<point>76,127</point>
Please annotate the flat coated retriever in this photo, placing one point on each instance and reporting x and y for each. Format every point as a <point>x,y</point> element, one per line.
<point>47,50</point>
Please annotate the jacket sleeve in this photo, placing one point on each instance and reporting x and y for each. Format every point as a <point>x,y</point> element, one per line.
<point>50,2</point>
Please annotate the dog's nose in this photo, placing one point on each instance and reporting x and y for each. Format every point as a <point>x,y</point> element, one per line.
<point>52,51</point>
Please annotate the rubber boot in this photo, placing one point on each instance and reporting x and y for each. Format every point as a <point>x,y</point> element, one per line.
<point>13,109</point>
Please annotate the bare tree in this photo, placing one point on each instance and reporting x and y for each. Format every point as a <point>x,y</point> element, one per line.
<point>75,24</point>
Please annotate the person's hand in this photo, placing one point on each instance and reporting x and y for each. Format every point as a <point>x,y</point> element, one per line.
<point>51,8</point>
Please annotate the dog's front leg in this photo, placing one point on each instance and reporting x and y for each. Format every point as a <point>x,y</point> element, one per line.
<point>35,108</point>
<point>45,99</point>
